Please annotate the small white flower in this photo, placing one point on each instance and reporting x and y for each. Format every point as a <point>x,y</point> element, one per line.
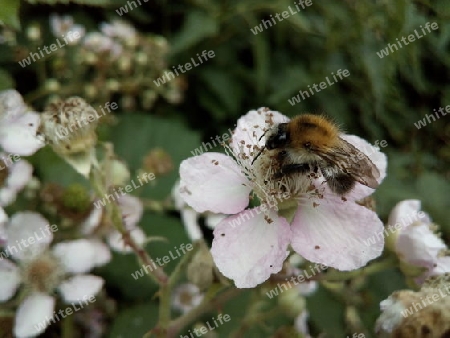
<point>119,29</point>
<point>64,26</point>
<point>132,210</point>
<point>99,43</point>
<point>18,125</point>
<point>416,243</point>
<point>186,296</point>
<point>43,270</point>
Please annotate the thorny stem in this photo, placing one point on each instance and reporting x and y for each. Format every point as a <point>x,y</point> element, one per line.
<point>209,303</point>
<point>158,275</point>
<point>166,291</point>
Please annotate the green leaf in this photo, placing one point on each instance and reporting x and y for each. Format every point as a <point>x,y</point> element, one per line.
<point>326,313</point>
<point>135,321</point>
<point>197,26</point>
<point>434,190</point>
<point>6,81</point>
<point>135,135</point>
<point>9,14</point>
<point>121,274</point>
<point>224,87</point>
<point>101,3</point>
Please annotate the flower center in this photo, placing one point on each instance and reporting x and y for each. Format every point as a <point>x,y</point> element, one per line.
<point>186,298</point>
<point>69,126</point>
<point>43,274</point>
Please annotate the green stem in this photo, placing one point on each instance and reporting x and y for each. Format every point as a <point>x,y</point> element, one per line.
<point>166,291</point>
<point>336,276</point>
<point>208,304</point>
<point>157,275</point>
<point>67,327</point>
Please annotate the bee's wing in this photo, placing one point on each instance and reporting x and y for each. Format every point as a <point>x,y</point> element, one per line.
<point>357,164</point>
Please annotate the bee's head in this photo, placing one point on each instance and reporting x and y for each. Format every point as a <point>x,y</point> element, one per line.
<point>278,137</point>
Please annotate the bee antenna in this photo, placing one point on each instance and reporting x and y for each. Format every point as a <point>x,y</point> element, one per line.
<point>260,152</point>
<point>263,135</point>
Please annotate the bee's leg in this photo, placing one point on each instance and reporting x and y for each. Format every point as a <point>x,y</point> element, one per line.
<point>293,169</point>
<point>340,183</point>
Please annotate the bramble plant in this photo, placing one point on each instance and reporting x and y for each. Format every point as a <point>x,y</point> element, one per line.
<point>150,185</point>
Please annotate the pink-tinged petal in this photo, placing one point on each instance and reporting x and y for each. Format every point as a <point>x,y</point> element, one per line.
<point>116,242</point>
<point>82,255</point>
<point>131,208</point>
<point>80,288</point>
<point>418,245</point>
<point>214,182</point>
<point>10,279</point>
<point>33,315</point>
<point>378,158</point>
<point>251,127</point>
<point>441,266</point>
<point>28,234</point>
<point>250,246</point>
<point>18,134</point>
<point>406,213</point>
<point>337,233</point>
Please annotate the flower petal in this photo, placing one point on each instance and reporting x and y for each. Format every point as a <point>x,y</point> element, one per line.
<point>214,182</point>
<point>132,210</point>
<point>250,246</point>
<point>92,221</point>
<point>418,245</point>
<point>10,280</point>
<point>80,288</point>
<point>339,234</point>
<point>82,255</point>
<point>19,175</point>
<point>116,242</point>
<point>33,315</point>
<point>378,158</point>
<point>28,235</point>
<point>406,213</point>
<point>250,129</point>
<point>18,134</point>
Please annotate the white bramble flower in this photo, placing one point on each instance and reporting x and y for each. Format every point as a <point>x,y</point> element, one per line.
<point>425,313</point>
<point>18,125</point>
<point>416,242</point>
<point>325,228</point>
<point>100,43</point>
<point>62,25</point>
<point>132,211</point>
<point>185,297</point>
<point>121,30</point>
<point>43,270</point>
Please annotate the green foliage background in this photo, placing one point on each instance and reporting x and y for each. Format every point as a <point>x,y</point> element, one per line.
<point>380,100</point>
